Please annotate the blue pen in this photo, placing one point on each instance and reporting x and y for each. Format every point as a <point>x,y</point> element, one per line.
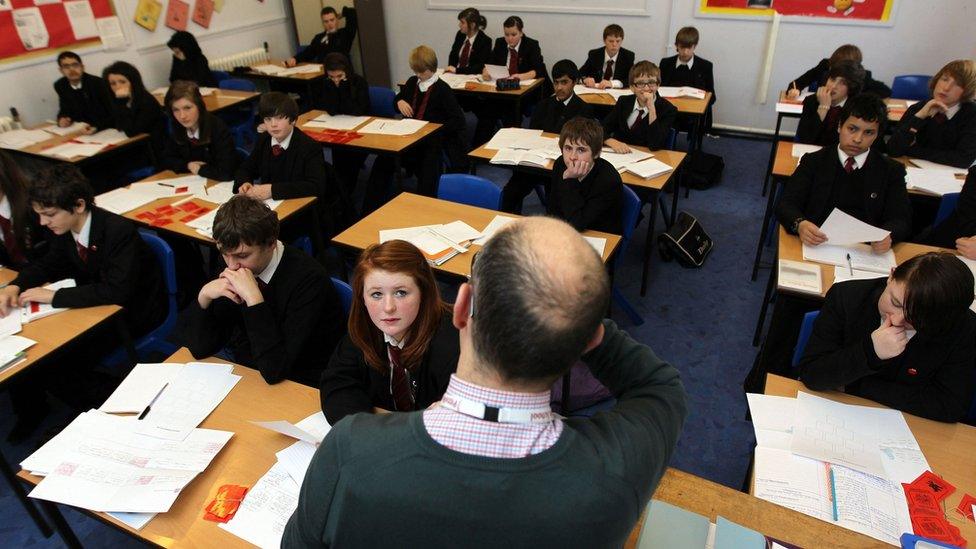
<point>833,494</point>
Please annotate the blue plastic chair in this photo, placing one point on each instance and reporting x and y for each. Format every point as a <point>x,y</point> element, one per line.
<point>632,208</point>
<point>946,206</point>
<point>805,330</point>
<point>911,86</point>
<point>238,84</point>
<point>304,243</point>
<point>155,341</point>
<point>345,294</point>
<point>469,189</point>
<point>381,101</point>
<point>240,122</point>
<point>220,76</point>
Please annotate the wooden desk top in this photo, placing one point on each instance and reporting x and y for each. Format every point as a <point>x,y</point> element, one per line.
<point>409,210</point>
<point>896,107</point>
<point>219,99</point>
<point>54,331</point>
<point>384,144</point>
<point>303,77</point>
<point>948,447</point>
<point>790,247</point>
<point>284,210</point>
<point>488,89</point>
<point>671,158</point>
<point>37,149</point>
<point>686,105</point>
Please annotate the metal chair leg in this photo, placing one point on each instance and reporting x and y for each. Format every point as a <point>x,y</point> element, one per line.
<point>18,488</point>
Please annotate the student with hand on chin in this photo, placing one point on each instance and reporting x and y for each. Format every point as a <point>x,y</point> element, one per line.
<point>818,74</point>
<point>942,129</point>
<point>821,111</point>
<point>586,190</point>
<point>273,306</point>
<point>644,118</point>
<point>82,97</point>
<point>134,109</point>
<point>907,342</point>
<point>608,67</point>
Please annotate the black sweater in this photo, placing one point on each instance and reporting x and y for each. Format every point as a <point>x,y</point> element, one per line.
<point>933,378</point>
<point>91,104</point>
<point>700,75</point>
<point>144,116</point>
<point>340,41</point>
<point>594,203</point>
<point>952,142</point>
<point>479,55</point>
<point>653,136</point>
<point>349,385</point>
<point>594,65</point>
<point>288,336</point>
<point>196,69</point>
<point>529,56</point>
<point>299,170</point>
<point>216,149</point>
<point>350,97</point>
<point>550,114</point>
<point>441,107</point>
<point>818,75</point>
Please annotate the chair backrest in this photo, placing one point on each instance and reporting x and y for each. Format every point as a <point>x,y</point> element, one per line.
<point>345,294</point>
<point>671,142</point>
<point>631,210</point>
<point>381,101</point>
<point>304,243</point>
<point>239,84</point>
<point>805,330</point>
<point>167,261</point>
<point>242,154</point>
<point>911,86</point>
<point>220,76</point>
<point>946,206</point>
<point>469,189</point>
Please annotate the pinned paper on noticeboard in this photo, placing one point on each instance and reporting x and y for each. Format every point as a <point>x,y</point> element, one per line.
<point>31,28</point>
<point>147,14</point>
<point>177,14</point>
<point>202,12</point>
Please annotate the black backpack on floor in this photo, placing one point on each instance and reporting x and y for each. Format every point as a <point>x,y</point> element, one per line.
<point>685,241</point>
<point>702,170</point>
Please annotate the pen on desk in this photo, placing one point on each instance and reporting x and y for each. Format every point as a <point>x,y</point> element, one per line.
<point>166,185</point>
<point>153,401</point>
<point>833,493</point>
<point>850,265</point>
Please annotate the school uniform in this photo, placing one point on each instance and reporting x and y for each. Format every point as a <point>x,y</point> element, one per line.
<point>818,75</point>
<point>349,385</point>
<point>17,250</point>
<point>932,378</point>
<point>432,100</point>
<point>324,43</point>
<point>599,66</point>
<point>139,114</point>
<point>350,97</point>
<point>947,139</point>
<point>290,335</point>
<point>90,102</point>
<point>814,131</point>
<point>193,69</point>
<point>212,144</point>
<point>527,56</point>
<point>696,73</point>
<point>549,116</point>
<point>961,223</point>
<point>626,124</point>
<point>595,202</point>
<point>469,55</point>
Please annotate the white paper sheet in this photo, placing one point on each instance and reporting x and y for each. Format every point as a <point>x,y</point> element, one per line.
<point>617,94</point>
<point>497,71</point>
<point>108,136</point>
<point>191,396</point>
<point>842,228</point>
<point>789,108</point>
<point>20,138</point>
<point>800,149</point>
<point>315,425</point>
<point>598,244</point>
<point>301,69</point>
<point>81,18</point>
<point>57,130</point>
<point>266,508</point>
<point>71,150</point>
<point>337,122</point>
<point>772,420</point>
<point>110,33</point>
<point>843,274</point>
<point>433,239</point>
<point>10,325</point>
<point>123,200</point>
<point>295,459</point>
<point>140,387</point>
<point>457,81</point>
<point>681,91</point>
<point>33,311</point>
<point>268,69</point>
<point>940,182</point>
<point>619,160</point>
<point>837,433</point>
<point>646,169</point>
<point>799,276</point>
<point>493,226</point>
<point>386,126</point>
<point>31,28</point>
<point>870,505</point>
<point>510,138</point>
<point>927,165</point>
<point>515,157</point>
<point>134,520</point>
<point>285,428</point>
<point>792,481</point>
<point>862,258</point>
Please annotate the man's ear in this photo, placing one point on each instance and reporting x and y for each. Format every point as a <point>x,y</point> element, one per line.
<point>596,340</point>
<point>462,306</point>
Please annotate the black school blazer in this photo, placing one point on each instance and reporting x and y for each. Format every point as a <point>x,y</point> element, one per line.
<point>593,66</point>
<point>952,142</point>
<point>216,149</point>
<point>529,56</point>
<point>701,75</point>
<point>480,53</point>
<point>653,136</point>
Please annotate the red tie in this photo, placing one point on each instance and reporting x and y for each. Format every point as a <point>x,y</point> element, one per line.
<point>465,54</point>
<point>939,117</point>
<point>512,61</point>
<point>399,384</point>
<point>276,150</point>
<point>849,164</point>
<point>608,72</point>
<point>638,120</point>
<point>10,242</point>
<point>194,141</point>
<point>82,252</point>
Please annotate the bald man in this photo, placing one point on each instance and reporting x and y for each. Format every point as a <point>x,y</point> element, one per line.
<point>490,465</point>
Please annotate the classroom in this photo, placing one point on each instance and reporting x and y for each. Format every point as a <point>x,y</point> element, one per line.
<point>639,273</point>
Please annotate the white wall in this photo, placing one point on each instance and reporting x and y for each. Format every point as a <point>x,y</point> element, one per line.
<point>28,86</point>
<point>925,35</point>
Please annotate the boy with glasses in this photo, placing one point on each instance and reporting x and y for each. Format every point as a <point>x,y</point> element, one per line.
<point>82,97</point>
<point>644,118</point>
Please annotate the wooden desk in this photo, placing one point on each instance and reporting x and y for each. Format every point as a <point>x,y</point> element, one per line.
<point>306,82</point>
<point>284,210</point>
<point>685,105</point>
<point>948,447</point>
<point>409,210</point>
<point>655,185</point>
<point>487,90</point>
<point>220,99</point>
<point>37,149</point>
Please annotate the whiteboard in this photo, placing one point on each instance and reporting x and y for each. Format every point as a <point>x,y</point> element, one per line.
<point>602,7</point>
<point>237,15</point>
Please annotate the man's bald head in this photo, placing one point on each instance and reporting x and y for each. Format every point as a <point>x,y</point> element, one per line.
<point>540,292</point>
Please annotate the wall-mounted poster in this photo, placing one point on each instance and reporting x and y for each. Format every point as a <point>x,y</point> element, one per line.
<point>858,12</point>
<point>177,14</point>
<point>147,14</point>
<point>202,12</point>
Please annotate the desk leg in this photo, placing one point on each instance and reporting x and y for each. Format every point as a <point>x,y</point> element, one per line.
<point>674,196</point>
<point>123,331</point>
<point>767,215</point>
<point>14,482</point>
<point>767,297</point>
<point>61,525</point>
<point>772,153</point>
<point>397,176</point>
<point>649,243</point>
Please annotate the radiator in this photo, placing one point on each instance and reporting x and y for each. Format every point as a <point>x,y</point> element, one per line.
<point>242,59</point>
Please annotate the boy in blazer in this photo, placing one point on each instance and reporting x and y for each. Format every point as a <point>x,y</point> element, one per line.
<point>609,66</point>
<point>644,118</point>
<point>82,97</point>
<point>818,74</point>
<point>549,116</point>
<point>331,39</point>
<point>920,359</point>
<point>472,47</point>
<point>586,190</point>
<point>273,305</point>
<point>687,69</point>
<point>942,129</point>
<point>821,111</point>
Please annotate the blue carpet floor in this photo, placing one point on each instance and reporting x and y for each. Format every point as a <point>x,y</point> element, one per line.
<point>700,320</point>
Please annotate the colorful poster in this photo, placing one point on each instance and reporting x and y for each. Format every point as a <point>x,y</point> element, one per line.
<point>177,15</point>
<point>202,12</point>
<point>860,11</point>
<point>147,14</point>
<point>218,5</point>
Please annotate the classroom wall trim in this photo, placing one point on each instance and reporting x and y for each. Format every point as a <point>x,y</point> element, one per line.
<point>605,7</point>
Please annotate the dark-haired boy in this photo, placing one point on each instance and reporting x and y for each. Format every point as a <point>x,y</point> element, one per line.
<point>549,116</point>
<point>273,306</point>
<point>586,190</point>
<point>332,39</point>
<point>609,66</point>
<point>82,97</point>
<point>821,111</point>
<point>687,69</point>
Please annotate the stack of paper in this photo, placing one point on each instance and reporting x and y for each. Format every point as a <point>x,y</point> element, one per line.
<point>19,139</point>
<point>300,69</point>
<point>842,228</point>
<point>57,130</point>
<point>309,432</point>
<point>189,397</point>
<point>927,165</point>
<point>939,182</point>
<point>617,94</point>
<point>12,346</point>
<point>336,122</point>
<point>683,91</point>
<point>458,81</point>
<point>855,256</point>
<point>33,311</point>
<point>268,69</point>
<point>647,169</point>
<point>386,126</point>
<point>438,243</point>
<point>71,150</point>
<point>800,149</point>
<point>110,136</point>
<point>580,89</point>
<point>513,138</point>
<point>516,157</point>
<point>497,72</point>
<point>619,160</point>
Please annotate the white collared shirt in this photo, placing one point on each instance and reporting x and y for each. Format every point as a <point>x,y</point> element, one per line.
<point>951,111</point>
<point>195,134</point>
<point>617,84</point>
<point>398,344</point>
<point>689,64</point>
<point>84,236</point>
<point>566,103</point>
<point>516,46</point>
<point>859,160</point>
<point>76,86</point>
<point>5,212</point>
<point>269,271</point>
<point>636,111</point>
<point>283,144</point>
<point>426,84</point>
<point>841,104</point>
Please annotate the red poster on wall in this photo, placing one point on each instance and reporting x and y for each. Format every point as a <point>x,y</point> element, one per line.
<point>860,11</point>
<point>38,21</point>
<point>177,14</point>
